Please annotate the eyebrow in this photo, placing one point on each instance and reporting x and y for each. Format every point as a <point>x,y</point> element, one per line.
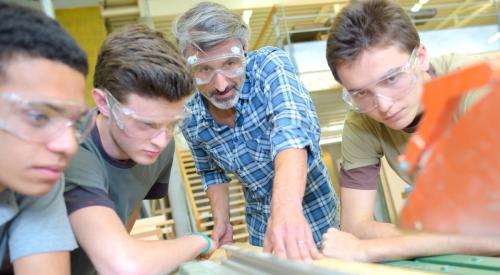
<point>59,109</point>
<point>47,107</point>
<point>390,72</point>
<point>383,77</point>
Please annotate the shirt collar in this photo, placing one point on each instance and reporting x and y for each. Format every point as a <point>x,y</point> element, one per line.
<point>96,138</point>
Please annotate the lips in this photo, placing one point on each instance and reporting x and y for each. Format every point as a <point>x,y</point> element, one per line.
<point>393,117</point>
<point>49,173</point>
<point>151,154</point>
<point>223,94</point>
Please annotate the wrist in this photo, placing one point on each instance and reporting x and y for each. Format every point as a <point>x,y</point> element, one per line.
<point>208,241</point>
<point>287,208</point>
<point>221,218</point>
<point>366,252</point>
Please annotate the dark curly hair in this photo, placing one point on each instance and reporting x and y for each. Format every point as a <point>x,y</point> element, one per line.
<point>28,32</point>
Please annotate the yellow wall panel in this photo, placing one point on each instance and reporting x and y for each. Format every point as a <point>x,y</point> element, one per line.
<point>87,26</point>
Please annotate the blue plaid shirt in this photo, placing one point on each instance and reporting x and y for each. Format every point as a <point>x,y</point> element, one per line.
<point>274,113</point>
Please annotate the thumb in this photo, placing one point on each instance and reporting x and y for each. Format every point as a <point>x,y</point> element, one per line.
<point>267,244</point>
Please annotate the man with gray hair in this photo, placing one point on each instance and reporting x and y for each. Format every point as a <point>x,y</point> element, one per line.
<point>252,116</point>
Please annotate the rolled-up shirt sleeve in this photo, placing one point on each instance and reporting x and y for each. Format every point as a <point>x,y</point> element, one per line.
<point>209,172</point>
<point>294,119</point>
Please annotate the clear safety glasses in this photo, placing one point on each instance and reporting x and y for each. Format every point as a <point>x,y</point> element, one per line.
<point>231,65</point>
<point>41,120</point>
<point>392,86</point>
<point>140,127</point>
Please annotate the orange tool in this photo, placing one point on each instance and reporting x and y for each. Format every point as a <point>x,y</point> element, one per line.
<point>456,165</point>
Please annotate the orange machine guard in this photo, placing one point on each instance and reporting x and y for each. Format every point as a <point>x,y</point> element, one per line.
<point>457,165</point>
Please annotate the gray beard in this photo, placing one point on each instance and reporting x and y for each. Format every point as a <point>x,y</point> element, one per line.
<point>226,104</point>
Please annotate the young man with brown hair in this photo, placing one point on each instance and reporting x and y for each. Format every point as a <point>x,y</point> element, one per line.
<point>140,85</point>
<point>374,52</point>
<point>43,116</point>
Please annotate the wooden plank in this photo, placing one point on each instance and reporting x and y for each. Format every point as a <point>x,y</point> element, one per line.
<point>205,200</point>
<point>241,236</point>
<point>153,228</point>
<point>239,226</point>
<point>267,24</point>
<point>232,219</point>
<point>208,207</point>
<point>199,201</point>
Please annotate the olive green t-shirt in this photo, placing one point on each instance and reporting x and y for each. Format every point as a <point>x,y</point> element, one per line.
<point>365,140</point>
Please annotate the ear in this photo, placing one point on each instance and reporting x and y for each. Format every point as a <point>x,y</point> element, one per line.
<point>423,58</point>
<point>100,101</point>
<point>245,49</point>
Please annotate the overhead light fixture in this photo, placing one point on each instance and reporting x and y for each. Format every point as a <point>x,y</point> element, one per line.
<point>247,14</point>
<point>336,8</point>
<point>416,7</point>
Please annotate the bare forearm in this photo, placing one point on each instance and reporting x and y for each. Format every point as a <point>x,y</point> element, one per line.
<point>290,179</point>
<point>218,196</point>
<point>150,257</point>
<point>102,235</point>
<point>288,233</point>
<point>422,244</point>
<point>371,229</point>
<point>161,257</point>
<point>57,263</point>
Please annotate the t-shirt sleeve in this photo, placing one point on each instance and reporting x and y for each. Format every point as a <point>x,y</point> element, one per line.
<point>83,196</point>
<point>293,115</point>
<point>361,178</point>
<point>360,144</point>
<point>42,226</point>
<point>86,183</point>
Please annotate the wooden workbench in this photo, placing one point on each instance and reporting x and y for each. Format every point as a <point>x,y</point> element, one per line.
<point>450,264</point>
<point>331,266</point>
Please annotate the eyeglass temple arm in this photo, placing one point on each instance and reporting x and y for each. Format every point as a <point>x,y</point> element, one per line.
<point>440,100</point>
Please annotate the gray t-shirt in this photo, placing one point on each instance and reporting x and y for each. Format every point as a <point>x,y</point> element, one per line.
<point>95,178</point>
<point>33,225</point>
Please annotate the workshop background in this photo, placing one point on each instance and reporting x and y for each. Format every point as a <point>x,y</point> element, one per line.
<point>300,27</point>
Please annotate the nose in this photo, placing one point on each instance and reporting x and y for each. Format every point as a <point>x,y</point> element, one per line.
<point>161,139</point>
<point>384,103</point>
<point>65,143</point>
<point>220,81</point>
